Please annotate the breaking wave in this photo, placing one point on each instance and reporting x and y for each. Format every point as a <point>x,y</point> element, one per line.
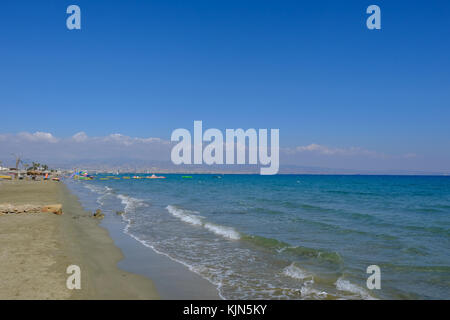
<point>295,272</point>
<point>191,217</point>
<point>282,247</point>
<point>355,290</point>
<point>131,203</point>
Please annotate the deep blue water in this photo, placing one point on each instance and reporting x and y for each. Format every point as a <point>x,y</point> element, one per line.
<point>291,236</point>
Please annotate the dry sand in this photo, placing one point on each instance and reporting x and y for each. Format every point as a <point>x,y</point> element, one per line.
<point>36,249</point>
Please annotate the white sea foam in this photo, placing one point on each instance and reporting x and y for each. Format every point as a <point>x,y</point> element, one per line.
<point>295,272</point>
<point>183,215</point>
<point>308,292</point>
<point>345,285</point>
<point>226,232</point>
<point>151,246</point>
<point>188,217</point>
<point>95,189</point>
<point>102,191</point>
<point>130,203</point>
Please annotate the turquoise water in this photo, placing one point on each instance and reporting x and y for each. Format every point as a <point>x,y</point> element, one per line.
<point>291,236</point>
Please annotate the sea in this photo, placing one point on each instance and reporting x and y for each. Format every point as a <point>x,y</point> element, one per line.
<point>290,236</point>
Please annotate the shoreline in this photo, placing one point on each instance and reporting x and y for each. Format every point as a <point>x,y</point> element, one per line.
<point>173,279</point>
<point>37,249</point>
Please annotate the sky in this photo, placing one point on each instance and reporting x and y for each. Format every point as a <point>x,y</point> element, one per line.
<point>342,96</point>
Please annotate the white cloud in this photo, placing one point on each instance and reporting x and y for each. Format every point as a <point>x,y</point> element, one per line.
<point>38,137</point>
<point>325,150</point>
<point>316,148</point>
<point>80,137</point>
<point>128,141</point>
<point>152,140</point>
<point>43,146</point>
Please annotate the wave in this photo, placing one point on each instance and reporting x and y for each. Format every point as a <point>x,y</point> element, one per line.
<point>282,247</point>
<point>332,257</point>
<point>190,217</point>
<point>148,244</point>
<point>295,272</point>
<point>131,204</point>
<point>338,229</point>
<point>410,268</point>
<point>187,265</point>
<point>226,232</point>
<point>104,192</point>
<point>357,291</point>
<point>185,215</point>
<point>306,291</point>
<point>97,189</point>
<point>335,211</point>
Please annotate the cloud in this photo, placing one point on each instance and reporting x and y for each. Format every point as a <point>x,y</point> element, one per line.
<point>355,158</point>
<point>325,150</point>
<point>117,138</point>
<point>318,149</point>
<point>38,137</point>
<point>128,141</point>
<point>80,137</point>
<point>43,146</point>
<point>117,147</point>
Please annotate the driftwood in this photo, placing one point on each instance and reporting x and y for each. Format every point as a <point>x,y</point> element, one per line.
<point>53,208</point>
<point>98,214</point>
<point>7,208</point>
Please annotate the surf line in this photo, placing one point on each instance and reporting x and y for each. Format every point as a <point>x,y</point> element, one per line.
<point>213,153</point>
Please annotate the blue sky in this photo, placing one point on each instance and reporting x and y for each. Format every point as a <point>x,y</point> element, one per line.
<point>310,68</point>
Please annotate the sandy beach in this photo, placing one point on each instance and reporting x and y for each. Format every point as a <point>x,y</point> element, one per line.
<point>37,248</point>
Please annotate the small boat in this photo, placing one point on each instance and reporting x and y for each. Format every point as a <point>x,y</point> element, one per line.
<point>155,177</point>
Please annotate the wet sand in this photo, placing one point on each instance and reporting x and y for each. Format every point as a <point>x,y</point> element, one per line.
<point>36,250</point>
<point>171,279</point>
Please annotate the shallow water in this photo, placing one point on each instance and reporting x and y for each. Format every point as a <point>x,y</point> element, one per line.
<point>291,236</point>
